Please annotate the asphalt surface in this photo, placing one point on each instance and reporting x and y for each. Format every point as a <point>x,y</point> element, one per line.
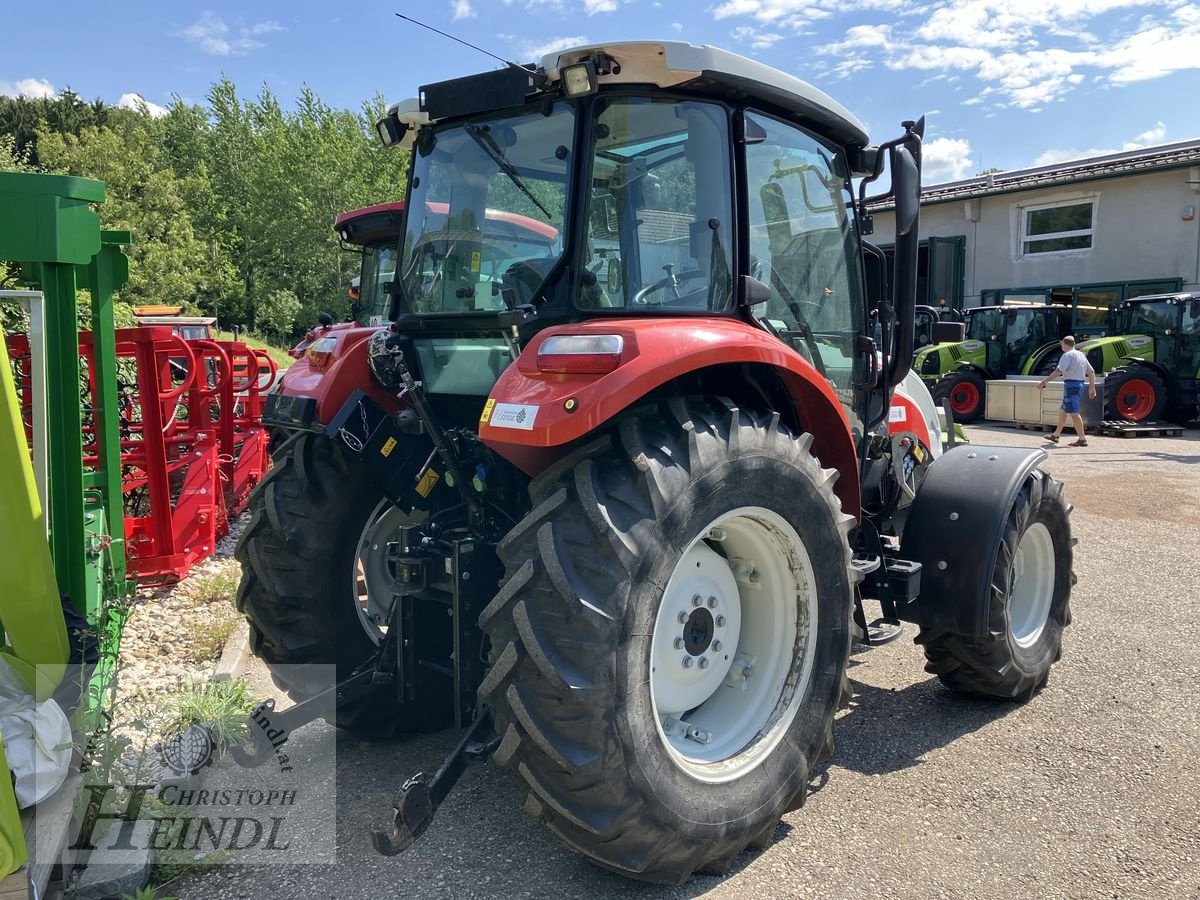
<point>1090,790</point>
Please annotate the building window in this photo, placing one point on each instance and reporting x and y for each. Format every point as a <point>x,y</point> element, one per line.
<point>1060,228</point>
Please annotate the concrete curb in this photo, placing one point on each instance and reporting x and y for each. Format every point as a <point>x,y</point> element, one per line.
<point>236,653</point>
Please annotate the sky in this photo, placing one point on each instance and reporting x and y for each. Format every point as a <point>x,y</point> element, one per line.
<point>1003,83</point>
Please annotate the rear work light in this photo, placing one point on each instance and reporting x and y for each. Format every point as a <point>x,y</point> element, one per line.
<point>320,352</point>
<point>580,354</point>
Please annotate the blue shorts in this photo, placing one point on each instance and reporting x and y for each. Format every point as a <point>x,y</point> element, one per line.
<point>1071,393</point>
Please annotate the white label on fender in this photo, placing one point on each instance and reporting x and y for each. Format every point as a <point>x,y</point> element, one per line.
<point>513,415</point>
<point>897,414</point>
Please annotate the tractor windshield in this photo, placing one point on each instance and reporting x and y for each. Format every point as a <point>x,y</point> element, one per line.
<point>486,211</point>
<point>378,268</point>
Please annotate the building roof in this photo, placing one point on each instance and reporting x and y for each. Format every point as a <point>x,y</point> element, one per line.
<point>1181,154</point>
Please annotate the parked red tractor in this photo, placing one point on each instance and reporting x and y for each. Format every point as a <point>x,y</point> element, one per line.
<point>639,480</point>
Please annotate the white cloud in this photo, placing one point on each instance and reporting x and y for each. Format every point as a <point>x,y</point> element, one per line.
<point>1026,53</point>
<point>599,6</point>
<point>535,51</point>
<point>213,36</point>
<point>678,26</point>
<point>946,159</point>
<point>27,87</point>
<point>462,10</point>
<point>135,100</point>
<point>758,40</point>
<point>1151,136</point>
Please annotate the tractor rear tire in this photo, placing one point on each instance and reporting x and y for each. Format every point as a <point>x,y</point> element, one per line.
<point>1030,604</point>
<point>298,554</point>
<point>600,574</point>
<point>1134,394</point>
<point>966,393</point>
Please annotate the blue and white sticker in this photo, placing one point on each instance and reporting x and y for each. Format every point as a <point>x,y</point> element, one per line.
<point>513,415</point>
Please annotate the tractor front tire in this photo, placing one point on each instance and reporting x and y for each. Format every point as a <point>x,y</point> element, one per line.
<point>966,393</point>
<point>1134,394</point>
<point>1030,605</point>
<point>299,556</point>
<point>670,644</point>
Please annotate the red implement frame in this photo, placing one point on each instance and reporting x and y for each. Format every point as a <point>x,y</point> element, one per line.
<point>192,441</point>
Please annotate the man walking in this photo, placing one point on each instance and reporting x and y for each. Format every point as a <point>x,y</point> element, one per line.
<point>1073,366</point>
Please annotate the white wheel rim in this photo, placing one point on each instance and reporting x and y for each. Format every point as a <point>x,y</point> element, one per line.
<point>1032,582</point>
<point>720,718</point>
<point>373,569</point>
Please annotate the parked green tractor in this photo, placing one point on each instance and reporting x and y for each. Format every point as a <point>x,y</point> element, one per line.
<point>1001,341</point>
<point>1152,359</point>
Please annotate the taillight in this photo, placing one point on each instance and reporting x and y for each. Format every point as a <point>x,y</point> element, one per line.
<point>580,354</point>
<point>320,352</point>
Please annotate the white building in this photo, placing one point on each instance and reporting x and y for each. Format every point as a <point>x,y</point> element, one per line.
<point>1093,231</point>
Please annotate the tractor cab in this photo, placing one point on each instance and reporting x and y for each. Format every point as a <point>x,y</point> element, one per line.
<point>1154,346</point>
<point>1019,339</point>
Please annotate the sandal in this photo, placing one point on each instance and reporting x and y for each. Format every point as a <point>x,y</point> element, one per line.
<point>1052,438</point>
<point>1082,442</point>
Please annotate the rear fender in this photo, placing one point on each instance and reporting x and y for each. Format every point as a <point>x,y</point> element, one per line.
<point>533,418</point>
<point>328,387</point>
<point>1036,357</point>
<point>953,530</point>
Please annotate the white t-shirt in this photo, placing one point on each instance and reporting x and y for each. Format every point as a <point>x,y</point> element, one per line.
<point>1074,365</point>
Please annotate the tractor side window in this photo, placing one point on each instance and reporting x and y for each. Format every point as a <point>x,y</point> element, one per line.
<point>660,217</point>
<point>802,244</point>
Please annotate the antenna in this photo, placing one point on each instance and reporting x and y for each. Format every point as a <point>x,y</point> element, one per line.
<point>458,40</point>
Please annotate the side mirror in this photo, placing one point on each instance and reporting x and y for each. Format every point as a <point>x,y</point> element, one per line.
<point>906,182</point>
<point>949,332</point>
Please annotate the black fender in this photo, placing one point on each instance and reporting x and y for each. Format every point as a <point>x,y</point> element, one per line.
<point>953,530</point>
<point>972,367</point>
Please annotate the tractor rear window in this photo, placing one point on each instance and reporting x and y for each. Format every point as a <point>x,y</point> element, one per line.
<point>660,219</point>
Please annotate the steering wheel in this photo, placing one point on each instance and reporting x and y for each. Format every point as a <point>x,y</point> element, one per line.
<point>671,281</point>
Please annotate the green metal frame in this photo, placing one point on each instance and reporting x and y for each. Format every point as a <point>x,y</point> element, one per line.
<point>51,230</point>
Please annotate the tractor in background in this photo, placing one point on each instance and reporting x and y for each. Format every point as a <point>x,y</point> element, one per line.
<point>1000,341</point>
<point>1152,359</point>
<point>638,481</point>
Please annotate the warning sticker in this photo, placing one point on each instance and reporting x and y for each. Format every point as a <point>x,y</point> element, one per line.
<point>897,414</point>
<point>388,446</point>
<point>476,258</point>
<point>513,415</point>
<point>487,410</point>
<point>427,482</point>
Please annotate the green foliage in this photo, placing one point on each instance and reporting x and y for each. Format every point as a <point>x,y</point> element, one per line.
<point>220,706</point>
<point>231,204</point>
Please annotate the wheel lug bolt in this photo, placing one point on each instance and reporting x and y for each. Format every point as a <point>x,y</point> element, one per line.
<point>683,617</point>
<point>678,643</point>
<point>720,621</point>
<point>716,645</point>
<point>712,602</point>
<point>703,662</point>
<point>687,662</point>
<point>697,600</point>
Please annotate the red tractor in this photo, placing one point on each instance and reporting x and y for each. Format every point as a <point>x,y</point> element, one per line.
<point>627,491</point>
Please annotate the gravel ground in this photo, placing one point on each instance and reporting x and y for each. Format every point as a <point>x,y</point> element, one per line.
<point>1090,790</point>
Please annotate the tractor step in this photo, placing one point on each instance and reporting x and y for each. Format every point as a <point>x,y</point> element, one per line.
<point>1139,429</point>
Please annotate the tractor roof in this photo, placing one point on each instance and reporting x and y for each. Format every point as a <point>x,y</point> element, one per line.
<point>703,69</point>
<point>1179,296</point>
<point>677,63</point>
